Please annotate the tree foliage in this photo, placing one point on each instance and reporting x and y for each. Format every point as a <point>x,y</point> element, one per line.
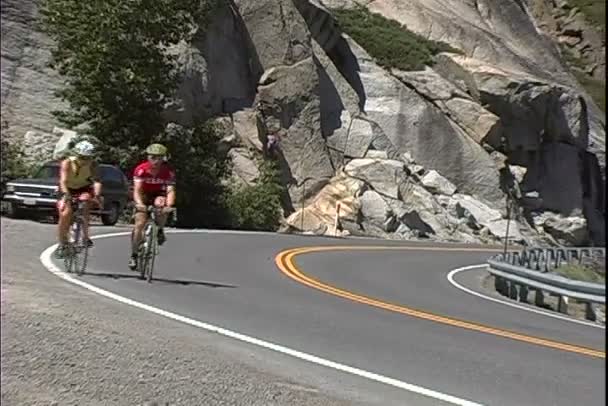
<point>112,56</point>
<point>119,77</point>
<point>200,169</point>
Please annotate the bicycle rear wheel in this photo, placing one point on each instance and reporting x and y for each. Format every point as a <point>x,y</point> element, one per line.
<point>143,254</point>
<point>78,251</point>
<point>141,260</point>
<point>68,257</point>
<point>151,254</point>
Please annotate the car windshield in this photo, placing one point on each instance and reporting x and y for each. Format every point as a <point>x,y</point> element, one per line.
<point>47,171</point>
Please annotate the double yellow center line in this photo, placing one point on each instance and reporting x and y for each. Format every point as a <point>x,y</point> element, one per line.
<point>285,261</point>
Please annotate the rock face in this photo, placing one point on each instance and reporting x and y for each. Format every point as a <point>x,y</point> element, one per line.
<point>567,26</point>
<point>28,84</point>
<point>245,169</point>
<point>566,230</point>
<point>425,154</point>
<point>383,175</point>
<point>438,184</point>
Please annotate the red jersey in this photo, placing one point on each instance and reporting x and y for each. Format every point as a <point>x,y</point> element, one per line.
<point>151,183</point>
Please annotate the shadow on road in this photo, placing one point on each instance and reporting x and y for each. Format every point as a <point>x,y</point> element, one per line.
<point>184,282</point>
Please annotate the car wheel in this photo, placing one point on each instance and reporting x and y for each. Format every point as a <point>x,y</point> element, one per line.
<point>12,211</point>
<point>111,218</point>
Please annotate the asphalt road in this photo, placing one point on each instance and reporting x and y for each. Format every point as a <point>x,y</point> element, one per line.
<point>65,345</point>
<point>232,281</point>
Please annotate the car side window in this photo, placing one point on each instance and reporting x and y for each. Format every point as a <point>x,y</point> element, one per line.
<point>115,175</point>
<point>104,174</point>
<point>47,171</point>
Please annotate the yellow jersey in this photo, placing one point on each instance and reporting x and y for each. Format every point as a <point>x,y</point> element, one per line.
<point>80,176</point>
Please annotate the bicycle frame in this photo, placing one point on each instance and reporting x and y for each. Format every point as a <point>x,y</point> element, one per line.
<point>148,248</point>
<point>76,244</point>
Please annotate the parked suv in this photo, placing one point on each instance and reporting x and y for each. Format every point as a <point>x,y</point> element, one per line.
<point>39,193</point>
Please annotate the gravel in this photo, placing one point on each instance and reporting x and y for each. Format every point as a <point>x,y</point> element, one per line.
<point>63,345</point>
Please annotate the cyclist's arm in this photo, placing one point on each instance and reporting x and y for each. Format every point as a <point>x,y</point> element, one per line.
<point>171,195</point>
<point>171,190</point>
<point>138,192</point>
<point>95,178</point>
<point>64,173</point>
<point>138,186</point>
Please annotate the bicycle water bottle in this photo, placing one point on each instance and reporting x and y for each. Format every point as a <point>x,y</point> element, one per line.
<point>74,234</point>
<point>147,232</point>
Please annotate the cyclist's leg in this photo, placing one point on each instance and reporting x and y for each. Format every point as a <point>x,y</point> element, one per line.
<point>161,201</point>
<point>64,210</point>
<point>86,195</point>
<point>138,229</point>
<point>137,234</point>
<point>161,219</point>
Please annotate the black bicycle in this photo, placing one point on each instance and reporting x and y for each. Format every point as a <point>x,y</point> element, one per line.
<point>77,249</point>
<point>148,248</point>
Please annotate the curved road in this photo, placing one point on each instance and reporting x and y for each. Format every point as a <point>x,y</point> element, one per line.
<point>389,311</point>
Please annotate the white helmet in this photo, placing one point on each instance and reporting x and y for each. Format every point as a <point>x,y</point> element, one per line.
<point>84,148</point>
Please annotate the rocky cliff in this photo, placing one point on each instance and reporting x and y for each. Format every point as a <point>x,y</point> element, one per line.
<point>406,154</point>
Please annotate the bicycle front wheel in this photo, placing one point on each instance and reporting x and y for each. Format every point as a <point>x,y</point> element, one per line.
<point>145,261</point>
<point>151,252</point>
<point>78,250</point>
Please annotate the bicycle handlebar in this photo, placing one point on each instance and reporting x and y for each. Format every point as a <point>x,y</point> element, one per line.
<point>76,202</point>
<point>150,208</point>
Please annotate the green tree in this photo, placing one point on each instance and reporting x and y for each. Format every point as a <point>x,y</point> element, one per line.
<point>118,75</point>
<point>13,162</point>
<point>200,169</point>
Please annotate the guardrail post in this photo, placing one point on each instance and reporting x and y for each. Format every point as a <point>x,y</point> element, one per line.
<point>590,312</point>
<point>562,304</point>
<point>523,294</point>
<point>512,290</point>
<point>500,284</point>
<point>539,298</point>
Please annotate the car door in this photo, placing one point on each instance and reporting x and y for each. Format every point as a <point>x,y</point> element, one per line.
<point>119,185</point>
<point>110,186</point>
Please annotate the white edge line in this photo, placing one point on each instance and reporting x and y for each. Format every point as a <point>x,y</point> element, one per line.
<point>45,258</point>
<point>451,279</point>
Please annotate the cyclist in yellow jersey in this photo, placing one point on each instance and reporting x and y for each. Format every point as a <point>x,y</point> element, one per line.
<point>78,179</point>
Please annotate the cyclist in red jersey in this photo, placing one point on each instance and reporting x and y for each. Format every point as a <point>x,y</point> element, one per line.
<point>154,182</point>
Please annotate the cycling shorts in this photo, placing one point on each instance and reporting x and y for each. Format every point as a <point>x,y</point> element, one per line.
<point>76,193</point>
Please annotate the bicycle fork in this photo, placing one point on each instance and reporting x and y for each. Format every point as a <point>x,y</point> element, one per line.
<point>149,236</point>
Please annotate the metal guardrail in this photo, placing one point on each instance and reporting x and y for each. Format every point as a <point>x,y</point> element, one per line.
<point>546,259</point>
<point>517,273</point>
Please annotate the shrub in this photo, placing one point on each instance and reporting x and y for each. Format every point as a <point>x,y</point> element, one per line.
<point>388,41</point>
<point>593,10</point>
<point>257,207</point>
<point>13,163</point>
<point>581,273</point>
